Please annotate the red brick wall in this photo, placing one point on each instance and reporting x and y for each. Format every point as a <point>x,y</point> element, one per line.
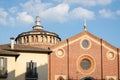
<point>110,67</point>
<point>60,66</point>
<point>76,51</point>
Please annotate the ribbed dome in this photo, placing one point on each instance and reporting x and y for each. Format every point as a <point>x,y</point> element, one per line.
<point>38,37</point>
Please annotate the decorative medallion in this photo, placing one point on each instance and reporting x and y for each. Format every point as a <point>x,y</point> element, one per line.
<point>60,53</point>
<point>110,55</point>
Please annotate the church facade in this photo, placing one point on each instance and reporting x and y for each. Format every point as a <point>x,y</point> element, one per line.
<point>84,57</point>
<point>41,55</point>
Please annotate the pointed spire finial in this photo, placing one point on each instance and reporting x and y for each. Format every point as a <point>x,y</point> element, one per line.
<point>37,22</point>
<point>85,25</point>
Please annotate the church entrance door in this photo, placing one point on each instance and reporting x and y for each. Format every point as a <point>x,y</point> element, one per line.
<point>87,78</point>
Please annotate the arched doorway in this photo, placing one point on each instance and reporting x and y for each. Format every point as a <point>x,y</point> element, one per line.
<point>87,78</point>
<point>60,78</point>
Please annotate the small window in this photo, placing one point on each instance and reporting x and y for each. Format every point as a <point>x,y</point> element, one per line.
<point>31,69</point>
<point>3,67</point>
<point>85,44</point>
<point>85,64</point>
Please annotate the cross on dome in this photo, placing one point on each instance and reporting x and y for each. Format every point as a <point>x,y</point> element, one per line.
<point>37,23</point>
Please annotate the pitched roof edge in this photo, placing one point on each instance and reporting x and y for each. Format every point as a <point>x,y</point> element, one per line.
<point>36,51</point>
<point>85,33</point>
<point>73,37</point>
<point>109,45</point>
<point>8,53</point>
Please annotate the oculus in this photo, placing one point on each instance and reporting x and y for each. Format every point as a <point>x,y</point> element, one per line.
<point>85,43</point>
<point>86,64</point>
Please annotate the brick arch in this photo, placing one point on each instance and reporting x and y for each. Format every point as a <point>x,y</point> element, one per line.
<point>60,78</point>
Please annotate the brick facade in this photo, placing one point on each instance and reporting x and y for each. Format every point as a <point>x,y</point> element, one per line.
<point>65,60</point>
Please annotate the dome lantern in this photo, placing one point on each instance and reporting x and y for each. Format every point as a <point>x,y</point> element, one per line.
<point>37,23</point>
<point>38,37</point>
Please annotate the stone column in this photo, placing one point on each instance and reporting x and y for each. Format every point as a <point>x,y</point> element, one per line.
<point>22,40</point>
<point>55,40</point>
<point>34,39</point>
<point>29,38</point>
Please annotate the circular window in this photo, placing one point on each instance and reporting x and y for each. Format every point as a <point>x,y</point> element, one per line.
<point>85,43</point>
<point>85,64</point>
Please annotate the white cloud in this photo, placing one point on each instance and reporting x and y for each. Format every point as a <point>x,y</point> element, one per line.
<point>3,16</point>
<point>57,13</point>
<point>12,21</point>
<point>25,18</point>
<point>104,2</point>
<point>47,11</point>
<point>106,13</point>
<point>81,13</point>
<point>35,7</point>
<point>118,12</point>
<point>13,10</point>
<point>87,2</point>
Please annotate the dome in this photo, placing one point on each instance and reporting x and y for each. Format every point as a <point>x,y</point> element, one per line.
<point>38,37</point>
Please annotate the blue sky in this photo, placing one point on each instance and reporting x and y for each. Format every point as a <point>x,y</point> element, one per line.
<point>64,17</point>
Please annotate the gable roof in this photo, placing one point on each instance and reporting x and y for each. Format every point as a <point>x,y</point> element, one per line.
<point>85,33</point>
